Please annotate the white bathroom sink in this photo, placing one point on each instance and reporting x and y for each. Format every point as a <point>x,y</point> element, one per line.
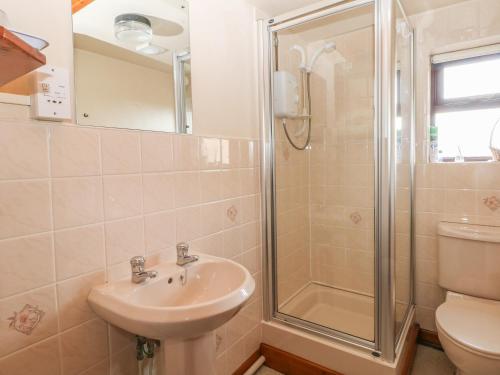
<point>181,302</point>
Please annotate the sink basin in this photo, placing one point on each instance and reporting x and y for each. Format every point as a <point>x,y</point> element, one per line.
<point>181,302</point>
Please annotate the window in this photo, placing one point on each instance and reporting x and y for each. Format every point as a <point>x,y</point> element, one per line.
<point>465,104</point>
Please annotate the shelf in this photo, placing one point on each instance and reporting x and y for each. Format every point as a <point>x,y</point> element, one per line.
<point>77,5</point>
<point>17,57</point>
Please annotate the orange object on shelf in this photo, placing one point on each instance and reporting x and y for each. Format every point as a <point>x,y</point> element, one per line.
<point>17,57</point>
<point>77,5</point>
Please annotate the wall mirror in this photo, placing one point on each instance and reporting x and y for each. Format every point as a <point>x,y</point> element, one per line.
<point>132,64</point>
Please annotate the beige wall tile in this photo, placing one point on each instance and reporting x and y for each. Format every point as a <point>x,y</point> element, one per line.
<point>77,201</point>
<point>485,203</point>
<point>187,189</point>
<point>27,263</point>
<point>24,208</point>
<point>79,251</point>
<point>186,153</point>
<point>84,346</point>
<point>72,299</point>
<point>39,306</point>
<point>221,364</point>
<point>250,235</point>
<point>250,182</point>
<point>212,245</point>
<point>23,152</point>
<point>159,231</point>
<point>122,196</point>
<point>250,208</point>
<point>460,176</point>
<point>74,151</point>
<point>210,153</point>
<point>40,359</point>
<point>121,152</point>
<point>210,186</point>
<point>124,362</point>
<point>231,183</point>
<point>461,202</point>
<point>158,192</point>
<point>230,151</point>
<point>157,152</point>
<point>119,339</point>
<point>235,356</point>
<point>231,211</point>
<point>248,153</point>
<point>124,239</point>
<point>212,218</point>
<point>232,242</point>
<point>101,368</point>
<point>188,224</point>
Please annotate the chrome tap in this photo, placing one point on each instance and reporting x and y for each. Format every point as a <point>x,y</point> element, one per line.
<point>182,254</point>
<point>138,273</point>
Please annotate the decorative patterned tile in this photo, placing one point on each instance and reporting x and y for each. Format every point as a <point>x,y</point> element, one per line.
<point>493,203</point>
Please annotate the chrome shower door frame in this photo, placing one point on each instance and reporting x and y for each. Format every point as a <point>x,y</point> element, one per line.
<point>384,344</point>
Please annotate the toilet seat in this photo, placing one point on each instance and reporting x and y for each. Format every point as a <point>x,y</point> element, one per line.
<point>470,322</point>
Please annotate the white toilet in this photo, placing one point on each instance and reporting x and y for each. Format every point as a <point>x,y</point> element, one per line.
<point>468,322</point>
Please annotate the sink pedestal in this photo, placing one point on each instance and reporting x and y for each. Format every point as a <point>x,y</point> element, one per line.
<point>194,356</point>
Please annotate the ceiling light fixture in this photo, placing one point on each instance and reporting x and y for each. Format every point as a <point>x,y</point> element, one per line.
<point>133,29</point>
<point>150,49</point>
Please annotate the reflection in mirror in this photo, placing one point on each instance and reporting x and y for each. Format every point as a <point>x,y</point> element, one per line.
<point>182,83</point>
<point>126,60</point>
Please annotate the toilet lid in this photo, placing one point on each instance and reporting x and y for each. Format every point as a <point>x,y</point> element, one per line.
<point>473,322</point>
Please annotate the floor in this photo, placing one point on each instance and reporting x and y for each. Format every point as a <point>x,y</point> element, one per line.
<point>333,308</point>
<point>428,361</point>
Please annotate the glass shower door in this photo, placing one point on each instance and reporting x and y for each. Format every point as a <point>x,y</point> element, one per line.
<point>404,168</point>
<point>324,171</point>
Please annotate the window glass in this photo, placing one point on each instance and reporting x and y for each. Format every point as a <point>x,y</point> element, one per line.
<point>465,108</point>
<point>465,133</point>
<point>472,79</point>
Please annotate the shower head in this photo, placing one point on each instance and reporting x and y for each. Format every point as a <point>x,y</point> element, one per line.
<point>302,53</point>
<point>328,47</point>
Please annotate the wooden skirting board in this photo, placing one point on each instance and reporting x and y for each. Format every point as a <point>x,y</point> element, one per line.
<point>410,349</point>
<point>429,338</point>
<point>290,364</point>
<point>248,363</point>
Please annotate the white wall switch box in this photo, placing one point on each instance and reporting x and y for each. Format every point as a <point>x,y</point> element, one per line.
<point>51,100</point>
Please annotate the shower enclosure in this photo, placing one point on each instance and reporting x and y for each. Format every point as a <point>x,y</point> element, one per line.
<point>337,89</point>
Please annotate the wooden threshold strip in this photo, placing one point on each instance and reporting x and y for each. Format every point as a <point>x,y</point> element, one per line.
<point>248,363</point>
<point>291,364</point>
<point>410,349</point>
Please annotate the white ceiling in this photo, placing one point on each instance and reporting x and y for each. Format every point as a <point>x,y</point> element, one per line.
<point>96,21</point>
<point>277,7</point>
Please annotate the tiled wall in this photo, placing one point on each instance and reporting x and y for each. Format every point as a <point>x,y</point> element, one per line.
<point>76,203</point>
<point>342,169</point>
<point>446,191</point>
<point>293,223</point>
